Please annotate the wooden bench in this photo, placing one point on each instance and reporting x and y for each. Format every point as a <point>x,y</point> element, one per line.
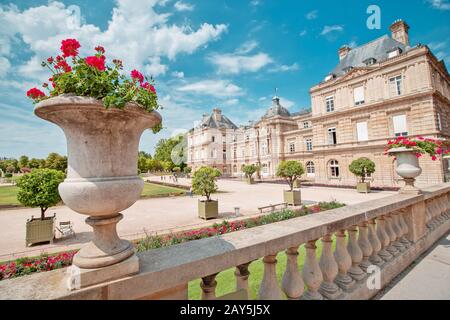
<point>272,207</point>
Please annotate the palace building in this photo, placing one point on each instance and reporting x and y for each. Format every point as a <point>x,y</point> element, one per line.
<point>378,91</point>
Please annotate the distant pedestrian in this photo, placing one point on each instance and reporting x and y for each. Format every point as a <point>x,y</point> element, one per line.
<point>190,192</point>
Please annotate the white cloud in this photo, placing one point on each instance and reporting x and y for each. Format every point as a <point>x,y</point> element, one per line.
<point>312,15</point>
<point>255,3</point>
<point>328,29</point>
<point>302,33</point>
<point>155,68</point>
<point>235,63</point>
<point>247,47</point>
<point>262,99</point>
<point>440,4</point>
<point>231,102</point>
<point>183,6</point>
<point>286,103</point>
<point>215,88</point>
<point>134,34</point>
<point>5,65</point>
<point>177,74</point>
<point>284,68</point>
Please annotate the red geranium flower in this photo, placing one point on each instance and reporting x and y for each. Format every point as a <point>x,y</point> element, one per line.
<point>50,60</point>
<point>35,93</point>
<point>62,64</point>
<point>148,86</point>
<point>100,49</point>
<point>96,62</point>
<point>136,75</point>
<point>70,47</point>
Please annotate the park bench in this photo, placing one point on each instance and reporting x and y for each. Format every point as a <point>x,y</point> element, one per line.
<point>272,207</point>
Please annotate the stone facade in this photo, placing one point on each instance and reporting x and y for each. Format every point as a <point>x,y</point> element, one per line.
<point>378,91</point>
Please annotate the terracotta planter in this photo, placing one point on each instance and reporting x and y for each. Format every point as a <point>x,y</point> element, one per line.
<point>38,230</point>
<point>363,187</point>
<point>208,209</point>
<point>407,167</point>
<point>102,147</point>
<point>292,197</point>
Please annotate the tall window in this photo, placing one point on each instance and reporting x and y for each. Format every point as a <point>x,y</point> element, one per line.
<point>334,168</point>
<point>309,145</point>
<point>264,148</point>
<point>291,147</point>
<point>265,168</point>
<point>439,123</point>
<point>332,136</point>
<point>330,103</point>
<point>395,86</point>
<point>358,95</point>
<point>213,138</point>
<point>310,168</point>
<point>361,130</point>
<point>400,128</point>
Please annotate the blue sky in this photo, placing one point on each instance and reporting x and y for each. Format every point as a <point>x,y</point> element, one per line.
<point>203,54</point>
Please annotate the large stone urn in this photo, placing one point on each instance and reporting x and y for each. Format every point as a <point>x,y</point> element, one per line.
<point>102,181</point>
<point>407,167</point>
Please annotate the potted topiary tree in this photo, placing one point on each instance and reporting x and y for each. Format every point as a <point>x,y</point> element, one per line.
<point>204,184</point>
<point>187,171</point>
<point>176,171</point>
<point>290,171</point>
<point>361,168</point>
<point>249,170</point>
<point>39,188</point>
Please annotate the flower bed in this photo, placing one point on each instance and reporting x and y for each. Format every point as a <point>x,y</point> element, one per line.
<point>28,265</point>
<point>158,241</point>
<point>24,266</point>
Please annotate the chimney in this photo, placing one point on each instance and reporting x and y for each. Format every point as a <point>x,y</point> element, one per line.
<point>343,51</point>
<point>399,31</point>
<point>217,113</point>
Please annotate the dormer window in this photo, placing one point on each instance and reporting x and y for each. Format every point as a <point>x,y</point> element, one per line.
<point>394,52</point>
<point>330,77</point>
<point>347,69</point>
<point>370,61</point>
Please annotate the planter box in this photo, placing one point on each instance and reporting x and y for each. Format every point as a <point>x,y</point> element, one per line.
<point>296,184</point>
<point>363,187</point>
<point>208,209</point>
<point>40,231</point>
<point>250,180</point>
<point>293,197</point>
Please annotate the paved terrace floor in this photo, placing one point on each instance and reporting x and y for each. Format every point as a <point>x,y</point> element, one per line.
<point>163,214</point>
<point>427,279</point>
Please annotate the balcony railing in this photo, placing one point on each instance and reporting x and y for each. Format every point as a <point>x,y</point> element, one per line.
<point>388,233</point>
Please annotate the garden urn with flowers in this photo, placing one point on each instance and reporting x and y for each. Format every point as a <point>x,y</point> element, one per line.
<point>103,115</point>
<point>407,153</point>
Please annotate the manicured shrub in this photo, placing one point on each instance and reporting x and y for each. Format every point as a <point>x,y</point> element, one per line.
<point>362,167</point>
<point>290,171</point>
<point>40,189</point>
<point>249,170</point>
<point>204,181</point>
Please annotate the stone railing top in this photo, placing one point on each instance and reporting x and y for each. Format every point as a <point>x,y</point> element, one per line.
<point>168,267</point>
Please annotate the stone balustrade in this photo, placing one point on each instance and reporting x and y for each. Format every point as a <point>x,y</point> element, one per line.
<point>388,233</point>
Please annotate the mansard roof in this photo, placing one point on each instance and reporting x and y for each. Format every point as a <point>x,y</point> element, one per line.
<point>377,49</point>
<point>209,121</point>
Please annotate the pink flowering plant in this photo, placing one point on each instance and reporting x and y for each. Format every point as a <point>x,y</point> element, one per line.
<point>420,146</point>
<point>91,76</point>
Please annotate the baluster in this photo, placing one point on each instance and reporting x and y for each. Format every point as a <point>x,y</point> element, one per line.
<point>329,269</point>
<point>442,209</point>
<point>364,244</point>
<point>397,232</point>
<point>384,239</point>
<point>269,289</point>
<point>435,209</point>
<point>404,228</point>
<point>429,215</point>
<point>208,286</point>
<point>242,275</point>
<point>292,283</point>
<point>344,262</point>
<point>375,243</point>
<point>355,252</point>
<point>311,273</point>
<point>391,235</point>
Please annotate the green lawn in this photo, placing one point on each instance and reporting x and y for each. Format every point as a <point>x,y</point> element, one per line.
<point>226,280</point>
<point>8,194</point>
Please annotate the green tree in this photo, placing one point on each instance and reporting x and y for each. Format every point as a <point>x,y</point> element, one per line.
<point>167,149</point>
<point>187,170</point>
<point>35,163</point>
<point>249,170</point>
<point>204,181</point>
<point>154,165</point>
<point>290,171</point>
<point>56,162</point>
<point>362,167</point>
<point>23,162</point>
<point>40,189</point>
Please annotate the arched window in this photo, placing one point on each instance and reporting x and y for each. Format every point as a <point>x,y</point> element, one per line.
<point>310,167</point>
<point>334,168</point>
